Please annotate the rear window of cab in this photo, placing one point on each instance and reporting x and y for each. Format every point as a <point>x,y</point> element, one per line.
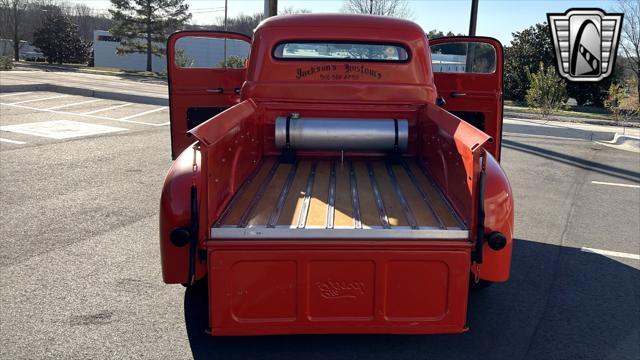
<point>341,51</point>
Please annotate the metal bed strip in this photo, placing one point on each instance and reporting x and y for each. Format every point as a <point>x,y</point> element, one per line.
<point>408,213</point>
<point>355,201</point>
<point>332,196</point>
<point>275,214</point>
<point>453,213</point>
<point>378,197</point>
<point>304,211</point>
<point>425,196</point>
<point>254,202</point>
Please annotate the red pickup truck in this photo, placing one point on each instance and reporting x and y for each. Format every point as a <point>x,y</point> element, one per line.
<point>335,174</point>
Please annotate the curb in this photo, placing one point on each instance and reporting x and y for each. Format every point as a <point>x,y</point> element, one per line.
<point>109,95</point>
<point>569,119</point>
<point>623,142</point>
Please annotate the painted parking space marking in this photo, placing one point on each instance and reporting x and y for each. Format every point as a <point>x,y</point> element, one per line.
<point>15,94</point>
<point>106,109</point>
<point>611,253</point>
<point>616,184</point>
<point>60,129</point>
<point>12,141</point>
<point>83,115</point>
<point>73,104</point>
<point>38,99</point>
<point>144,113</point>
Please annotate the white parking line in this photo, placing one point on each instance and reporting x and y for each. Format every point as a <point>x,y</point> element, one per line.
<point>85,115</point>
<point>616,184</point>
<point>107,108</point>
<point>611,253</point>
<point>73,104</point>
<point>39,99</point>
<point>61,129</point>
<point>144,113</point>
<point>15,94</point>
<point>12,141</point>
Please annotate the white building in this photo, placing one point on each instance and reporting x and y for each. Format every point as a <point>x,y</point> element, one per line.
<point>201,51</point>
<point>448,62</point>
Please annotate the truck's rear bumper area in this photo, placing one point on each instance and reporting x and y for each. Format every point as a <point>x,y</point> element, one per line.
<point>321,287</point>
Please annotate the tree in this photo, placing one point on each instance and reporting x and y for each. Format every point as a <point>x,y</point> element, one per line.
<point>59,40</point>
<point>152,19</point>
<point>530,48</point>
<point>619,104</point>
<point>434,34</point>
<point>232,62</point>
<point>393,8</point>
<point>630,37</point>
<point>291,10</point>
<point>547,90</point>
<point>12,18</point>
<point>244,24</point>
<point>613,102</point>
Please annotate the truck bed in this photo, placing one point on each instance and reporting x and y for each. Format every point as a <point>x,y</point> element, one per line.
<point>336,199</point>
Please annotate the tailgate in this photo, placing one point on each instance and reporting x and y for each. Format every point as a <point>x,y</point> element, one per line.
<point>378,287</point>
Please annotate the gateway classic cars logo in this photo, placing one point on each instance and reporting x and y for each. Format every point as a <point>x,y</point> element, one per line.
<point>586,43</point>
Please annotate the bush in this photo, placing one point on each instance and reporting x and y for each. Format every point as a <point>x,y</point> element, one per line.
<point>547,91</point>
<point>615,103</point>
<point>60,41</point>
<point>6,63</point>
<point>233,62</point>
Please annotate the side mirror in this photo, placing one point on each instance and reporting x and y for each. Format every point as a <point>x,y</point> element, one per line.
<point>440,101</point>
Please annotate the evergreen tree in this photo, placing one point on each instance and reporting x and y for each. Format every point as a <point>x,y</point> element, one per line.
<point>144,25</point>
<point>59,39</point>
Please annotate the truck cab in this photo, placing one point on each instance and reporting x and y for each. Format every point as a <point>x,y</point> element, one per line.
<point>335,174</point>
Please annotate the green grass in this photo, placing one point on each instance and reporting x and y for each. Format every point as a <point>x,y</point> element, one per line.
<point>578,114</point>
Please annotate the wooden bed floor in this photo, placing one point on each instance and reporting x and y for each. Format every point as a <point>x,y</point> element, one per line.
<point>331,194</point>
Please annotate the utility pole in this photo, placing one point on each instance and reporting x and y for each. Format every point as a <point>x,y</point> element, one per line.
<point>16,38</point>
<point>474,17</point>
<point>270,8</point>
<point>224,59</point>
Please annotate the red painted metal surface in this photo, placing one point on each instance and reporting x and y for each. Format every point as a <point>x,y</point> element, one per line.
<point>498,204</point>
<point>191,87</point>
<point>399,287</point>
<point>231,149</point>
<point>483,92</point>
<point>175,211</point>
<point>337,286</point>
<point>451,150</point>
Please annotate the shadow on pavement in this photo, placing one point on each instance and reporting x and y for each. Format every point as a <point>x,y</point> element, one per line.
<point>560,303</point>
<point>573,161</point>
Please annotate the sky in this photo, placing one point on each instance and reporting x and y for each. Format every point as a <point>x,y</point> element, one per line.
<point>496,18</point>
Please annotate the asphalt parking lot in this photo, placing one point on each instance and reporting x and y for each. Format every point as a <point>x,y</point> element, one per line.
<point>80,273</point>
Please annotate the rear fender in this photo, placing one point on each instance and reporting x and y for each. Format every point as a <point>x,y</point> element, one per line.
<point>175,212</point>
<point>498,205</point>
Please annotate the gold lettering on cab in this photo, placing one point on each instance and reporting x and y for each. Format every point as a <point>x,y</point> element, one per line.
<point>302,73</point>
<point>340,289</point>
<point>333,72</point>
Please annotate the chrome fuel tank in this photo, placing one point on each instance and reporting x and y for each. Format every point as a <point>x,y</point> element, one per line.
<point>358,134</point>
